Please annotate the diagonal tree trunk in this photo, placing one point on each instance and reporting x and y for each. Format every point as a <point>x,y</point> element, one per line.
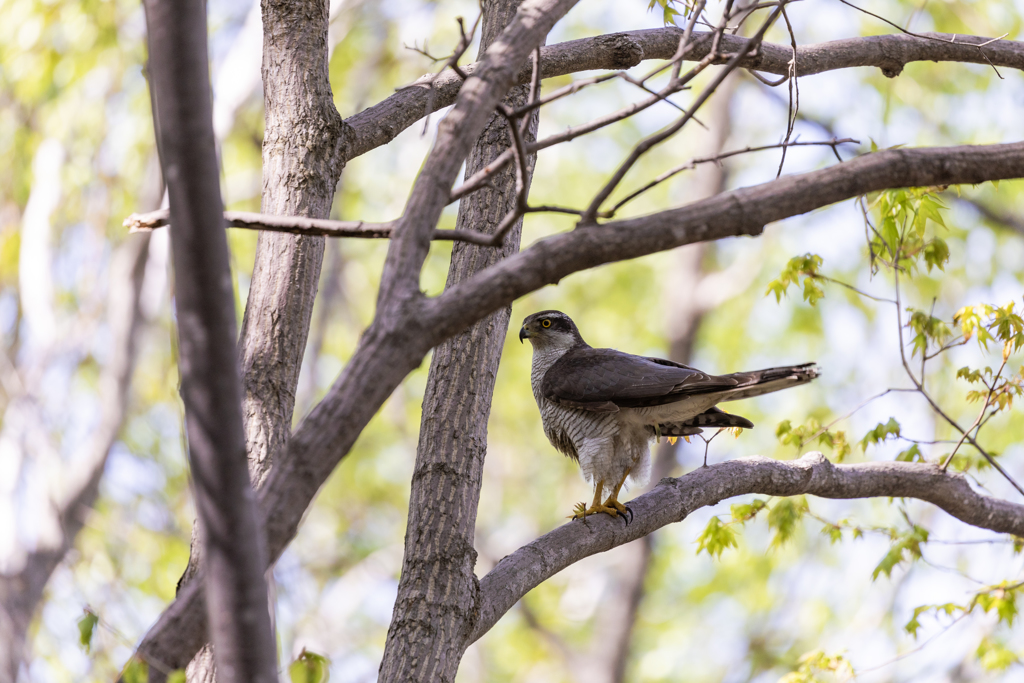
<point>437,592</point>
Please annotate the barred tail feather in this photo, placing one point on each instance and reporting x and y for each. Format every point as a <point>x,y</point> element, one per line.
<point>760,382</point>
<point>711,419</point>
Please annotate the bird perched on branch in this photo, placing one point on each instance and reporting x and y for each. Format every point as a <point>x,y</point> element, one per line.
<point>602,407</point>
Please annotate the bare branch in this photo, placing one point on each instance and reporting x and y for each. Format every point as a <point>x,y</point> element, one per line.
<point>675,499</point>
<point>740,212</point>
<point>382,122</point>
<point>692,163</point>
<point>301,225</point>
<point>455,138</point>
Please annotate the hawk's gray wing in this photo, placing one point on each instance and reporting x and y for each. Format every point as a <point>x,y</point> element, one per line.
<point>606,379</point>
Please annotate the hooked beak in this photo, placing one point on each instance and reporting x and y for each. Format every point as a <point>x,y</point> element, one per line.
<point>523,333</point>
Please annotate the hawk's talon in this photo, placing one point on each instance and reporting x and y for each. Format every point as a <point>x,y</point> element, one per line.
<point>630,511</point>
<point>593,510</point>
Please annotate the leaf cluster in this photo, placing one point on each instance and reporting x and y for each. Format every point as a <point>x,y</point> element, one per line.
<point>807,266</point>
<point>814,665</point>
<point>801,435</point>
<point>899,240</point>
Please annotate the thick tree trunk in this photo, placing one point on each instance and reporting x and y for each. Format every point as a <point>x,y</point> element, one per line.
<point>434,612</point>
<point>303,158</point>
<point>232,537</point>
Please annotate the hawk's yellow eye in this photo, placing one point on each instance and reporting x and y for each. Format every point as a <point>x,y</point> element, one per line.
<point>545,323</point>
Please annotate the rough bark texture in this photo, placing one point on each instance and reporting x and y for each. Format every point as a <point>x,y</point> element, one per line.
<point>302,162</point>
<point>382,122</point>
<point>232,540</point>
<point>672,500</point>
<point>437,593</point>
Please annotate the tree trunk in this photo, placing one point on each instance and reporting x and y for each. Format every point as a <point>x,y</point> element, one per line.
<point>435,609</point>
<point>229,524</point>
<point>303,148</point>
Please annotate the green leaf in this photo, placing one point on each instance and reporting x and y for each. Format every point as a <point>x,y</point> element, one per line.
<point>906,545</point>
<point>912,454</point>
<point>745,512</point>
<point>309,667</point>
<point>880,433</point>
<point>784,518</point>
<point>86,628</point>
<point>716,538</point>
<point>135,671</point>
<point>993,655</point>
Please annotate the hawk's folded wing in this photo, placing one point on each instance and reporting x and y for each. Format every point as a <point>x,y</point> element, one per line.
<point>605,380</point>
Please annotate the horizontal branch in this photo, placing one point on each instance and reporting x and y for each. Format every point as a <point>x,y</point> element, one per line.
<point>386,355</point>
<point>673,500</point>
<point>740,212</point>
<point>381,123</point>
<point>301,225</point>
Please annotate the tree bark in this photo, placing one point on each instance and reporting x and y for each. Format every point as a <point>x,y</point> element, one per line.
<point>672,500</point>
<point>233,542</point>
<point>438,588</point>
<point>302,161</point>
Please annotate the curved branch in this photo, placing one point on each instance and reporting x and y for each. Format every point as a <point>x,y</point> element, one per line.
<point>675,499</point>
<point>381,123</point>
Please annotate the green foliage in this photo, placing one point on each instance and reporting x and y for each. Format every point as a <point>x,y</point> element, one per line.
<point>745,512</point>
<point>177,676</point>
<point>784,518</point>
<point>86,629</point>
<point>135,671</point>
<point>668,10</point>
<point>716,538</point>
<point>900,237</point>
<point>993,655</point>
<point>309,667</point>
<point>803,434</point>
<point>912,454</point>
<point>880,433</point>
<point>904,546</point>
<point>927,329</point>
<point>1002,600</point>
<point>807,266</point>
<point>948,609</point>
<point>817,667</point>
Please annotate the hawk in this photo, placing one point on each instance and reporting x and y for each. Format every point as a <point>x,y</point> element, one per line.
<point>602,407</point>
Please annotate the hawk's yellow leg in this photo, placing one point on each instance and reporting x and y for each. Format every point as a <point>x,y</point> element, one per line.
<point>581,512</point>
<point>613,500</point>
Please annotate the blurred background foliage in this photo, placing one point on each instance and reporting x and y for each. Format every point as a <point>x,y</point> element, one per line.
<point>801,598</point>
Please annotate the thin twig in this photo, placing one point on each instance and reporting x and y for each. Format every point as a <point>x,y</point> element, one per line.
<point>692,163</point>
<point>794,92</point>
<point>925,37</point>
<point>301,225</point>
<point>590,214</point>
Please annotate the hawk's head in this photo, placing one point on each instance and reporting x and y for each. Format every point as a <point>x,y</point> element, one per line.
<point>550,329</point>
